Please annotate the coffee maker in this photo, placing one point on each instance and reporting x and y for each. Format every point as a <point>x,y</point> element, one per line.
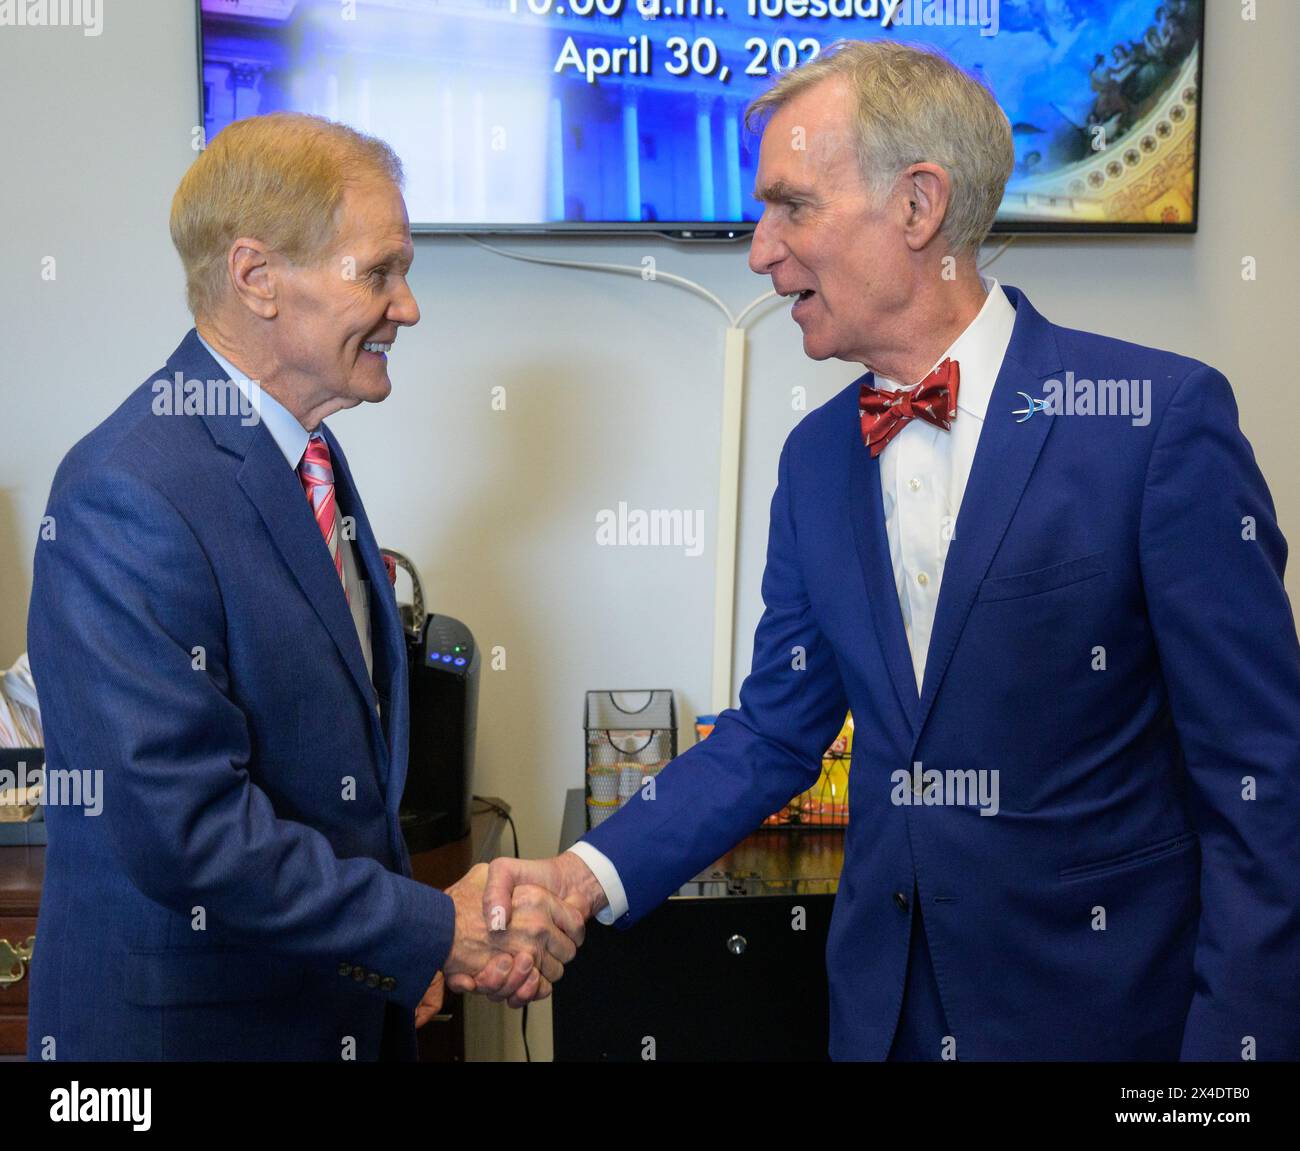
<point>443,665</point>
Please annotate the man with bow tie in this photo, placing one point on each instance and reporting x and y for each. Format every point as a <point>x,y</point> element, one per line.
<point>1086,608</point>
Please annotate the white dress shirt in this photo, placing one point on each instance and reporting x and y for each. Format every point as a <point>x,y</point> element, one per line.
<point>291,438</point>
<point>923,474</point>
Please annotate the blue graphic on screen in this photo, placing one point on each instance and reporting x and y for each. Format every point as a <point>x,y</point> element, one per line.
<point>538,112</point>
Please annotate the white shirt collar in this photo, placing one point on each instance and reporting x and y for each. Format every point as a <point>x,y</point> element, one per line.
<point>288,433</point>
<point>980,350</point>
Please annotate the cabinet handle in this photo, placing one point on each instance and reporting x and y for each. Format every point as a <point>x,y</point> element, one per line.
<point>737,944</point>
<point>14,958</point>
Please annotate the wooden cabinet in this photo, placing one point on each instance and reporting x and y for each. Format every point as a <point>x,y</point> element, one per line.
<point>22,870</point>
<point>733,968</point>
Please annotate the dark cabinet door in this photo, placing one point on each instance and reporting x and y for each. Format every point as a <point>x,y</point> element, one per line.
<point>732,978</point>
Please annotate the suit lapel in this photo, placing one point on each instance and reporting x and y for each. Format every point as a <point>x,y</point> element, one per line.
<point>869,533</point>
<point>276,492</point>
<point>1004,459</point>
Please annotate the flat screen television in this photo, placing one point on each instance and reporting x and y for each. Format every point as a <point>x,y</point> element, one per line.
<point>627,115</point>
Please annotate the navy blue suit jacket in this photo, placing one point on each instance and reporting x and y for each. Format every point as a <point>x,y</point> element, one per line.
<point>245,892</point>
<point>1157,798</point>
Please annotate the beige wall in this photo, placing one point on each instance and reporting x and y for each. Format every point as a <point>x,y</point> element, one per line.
<point>612,383</point>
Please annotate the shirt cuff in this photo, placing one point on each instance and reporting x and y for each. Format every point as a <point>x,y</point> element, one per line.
<point>607,876</point>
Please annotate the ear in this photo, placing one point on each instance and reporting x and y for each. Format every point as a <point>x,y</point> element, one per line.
<point>927,188</point>
<point>249,267</point>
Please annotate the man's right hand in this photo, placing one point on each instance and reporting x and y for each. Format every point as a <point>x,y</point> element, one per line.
<point>566,875</point>
<point>518,956</point>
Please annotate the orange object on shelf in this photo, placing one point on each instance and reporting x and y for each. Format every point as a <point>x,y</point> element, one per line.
<point>826,803</point>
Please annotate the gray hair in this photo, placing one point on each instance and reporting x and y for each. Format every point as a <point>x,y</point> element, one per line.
<point>914,105</point>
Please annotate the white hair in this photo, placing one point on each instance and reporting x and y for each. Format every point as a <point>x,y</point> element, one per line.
<point>914,105</point>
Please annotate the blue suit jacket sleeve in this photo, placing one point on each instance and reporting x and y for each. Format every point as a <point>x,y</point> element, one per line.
<point>758,757</point>
<point>1226,637</point>
<point>124,601</point>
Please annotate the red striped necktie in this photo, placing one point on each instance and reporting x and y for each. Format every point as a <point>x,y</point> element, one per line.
<point>317,475</point>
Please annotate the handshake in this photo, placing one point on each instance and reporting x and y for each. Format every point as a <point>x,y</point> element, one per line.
<point>518,922</point>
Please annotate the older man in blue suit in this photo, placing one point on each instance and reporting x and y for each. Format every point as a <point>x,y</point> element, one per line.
<point>1060,624</point>
<point>212,630</point>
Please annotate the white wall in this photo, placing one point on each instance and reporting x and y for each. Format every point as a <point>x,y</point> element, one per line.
<point>612,383</point>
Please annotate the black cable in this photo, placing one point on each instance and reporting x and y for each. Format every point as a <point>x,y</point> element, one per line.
<point>505,814</point>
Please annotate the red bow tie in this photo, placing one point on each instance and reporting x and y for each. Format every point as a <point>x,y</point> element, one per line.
<point>884,413</point>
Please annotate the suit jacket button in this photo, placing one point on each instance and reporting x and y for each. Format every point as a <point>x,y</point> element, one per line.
<point>387,983</point>
<point>359,973</point>
<point>901,900</point>
<point>345,969</point>
<point>372,980</point>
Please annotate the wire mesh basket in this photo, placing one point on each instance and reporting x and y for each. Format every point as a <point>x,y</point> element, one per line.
<point>631,736</point>
<point>825,804</point>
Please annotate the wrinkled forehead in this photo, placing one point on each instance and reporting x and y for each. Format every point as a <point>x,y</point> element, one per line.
<point>811,147</point>
<point>808,138</point>
<point>374,212</point>
<point>805,155</point>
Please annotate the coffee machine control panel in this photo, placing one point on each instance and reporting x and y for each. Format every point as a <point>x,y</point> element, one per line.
<point>448,644</point>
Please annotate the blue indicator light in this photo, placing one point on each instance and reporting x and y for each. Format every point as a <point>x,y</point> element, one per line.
<point>460,661</point>
<point>446,659</point>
